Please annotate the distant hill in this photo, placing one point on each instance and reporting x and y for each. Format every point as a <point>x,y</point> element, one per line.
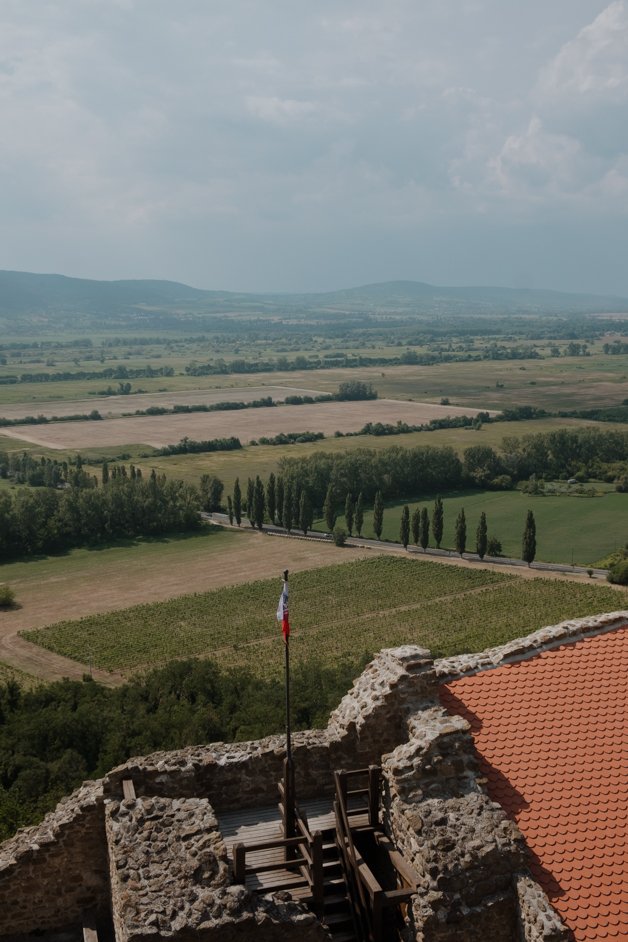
<point>55,302</point>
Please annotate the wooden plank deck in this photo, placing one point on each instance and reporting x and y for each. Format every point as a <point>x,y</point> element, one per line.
<point>259,825</point>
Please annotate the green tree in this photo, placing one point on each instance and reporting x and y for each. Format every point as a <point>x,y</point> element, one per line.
<point>250,497</point>
<point>378,515</point>
<point>306,513</point>
<point>279,498</point>
<point>528,547</point>
<point>461,532</point>
<point>258,503</point>
<point>271,497</point>
<point>349,513</point>
<point>288,507</point>
<point>438,521</point>
<point>481,537</point>
<point>230,509</point>
<point>359,514</point>
<point>329,509</point>
<point>211,489</point>
<point>105,473</point>
<point>415,524</point>
<point>404,526</point>
<point>237,501</point>
<point>424,529</point>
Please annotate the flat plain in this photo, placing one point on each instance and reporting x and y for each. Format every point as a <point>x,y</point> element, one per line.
<point>245,424</point>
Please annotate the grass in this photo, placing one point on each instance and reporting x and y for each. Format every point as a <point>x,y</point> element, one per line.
<point>26,681</point>
<point>344,610</point>
<point>581,530</point>
<point>105,560</point>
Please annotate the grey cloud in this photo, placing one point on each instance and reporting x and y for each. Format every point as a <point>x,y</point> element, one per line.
<point>293,145</point>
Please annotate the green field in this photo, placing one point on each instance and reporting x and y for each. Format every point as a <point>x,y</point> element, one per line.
<point>569,529</point>
<point>345,610</point>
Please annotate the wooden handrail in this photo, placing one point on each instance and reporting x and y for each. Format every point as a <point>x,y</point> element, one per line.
<point>369,899</point>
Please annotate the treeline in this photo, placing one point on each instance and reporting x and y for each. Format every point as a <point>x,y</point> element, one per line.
<point>403,472</point>
<point>83,512</point>
<point>117,372</point>
<point>290,438</point>
<point>191,446</point>
<point>55,736</point>
<point>602,414</point>
<point>324,482</point>
<point>93,416</point>
<point>283,364</point>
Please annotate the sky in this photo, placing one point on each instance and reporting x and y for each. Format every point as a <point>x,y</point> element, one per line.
<point>307,146</point>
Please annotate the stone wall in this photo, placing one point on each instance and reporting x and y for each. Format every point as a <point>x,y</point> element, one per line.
<point>461,845</point>
<point>170,878</point>
<point>538,919</point>
<point>52,873</point>
<point>369,720</point>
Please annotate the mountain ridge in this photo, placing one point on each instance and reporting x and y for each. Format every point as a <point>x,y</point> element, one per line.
<point>50,300</point>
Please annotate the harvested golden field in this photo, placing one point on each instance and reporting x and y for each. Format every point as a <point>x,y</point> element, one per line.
<point>247,424</point>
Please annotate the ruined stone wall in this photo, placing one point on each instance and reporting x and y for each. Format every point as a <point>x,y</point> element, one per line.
<point>369,720</point>
<point>52,873</point>
<point>170,878</point>
<point>461,845</point>
<point>538,919</point>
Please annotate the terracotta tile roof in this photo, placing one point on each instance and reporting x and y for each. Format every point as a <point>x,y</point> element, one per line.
<point>551,734</point>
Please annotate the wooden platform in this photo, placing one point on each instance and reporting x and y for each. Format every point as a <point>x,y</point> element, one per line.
<point>259,825</point>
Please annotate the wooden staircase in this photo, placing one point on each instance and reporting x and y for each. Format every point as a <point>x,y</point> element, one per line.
<point>336,912</point>
<point>338,860</point>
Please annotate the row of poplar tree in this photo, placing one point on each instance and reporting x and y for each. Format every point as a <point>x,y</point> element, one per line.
<point>418,524</point>
<point>286,504</point>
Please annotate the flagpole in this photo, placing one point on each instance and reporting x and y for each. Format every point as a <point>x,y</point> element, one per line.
<point>289,796</point>
<point>287,673</point>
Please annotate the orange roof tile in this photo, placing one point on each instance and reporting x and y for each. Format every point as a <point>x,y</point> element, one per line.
<point>551,735</point>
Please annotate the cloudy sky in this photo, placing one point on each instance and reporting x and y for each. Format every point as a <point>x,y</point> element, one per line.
<point>290,145</point>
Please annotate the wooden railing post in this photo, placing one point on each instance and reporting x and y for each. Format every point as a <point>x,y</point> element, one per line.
<point>239,863</point>
<point>374,781</point>
<point>317,869</point>
<point>378,911</point>
<point>289,805</point>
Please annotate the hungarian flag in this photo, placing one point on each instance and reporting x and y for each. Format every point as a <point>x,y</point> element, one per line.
<point>282,611</point>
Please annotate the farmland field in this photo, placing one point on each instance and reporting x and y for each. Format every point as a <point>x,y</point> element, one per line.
<point>574,529</point>
<point>344,610</point>
<point>123,405</point>
<point>247,424</point>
